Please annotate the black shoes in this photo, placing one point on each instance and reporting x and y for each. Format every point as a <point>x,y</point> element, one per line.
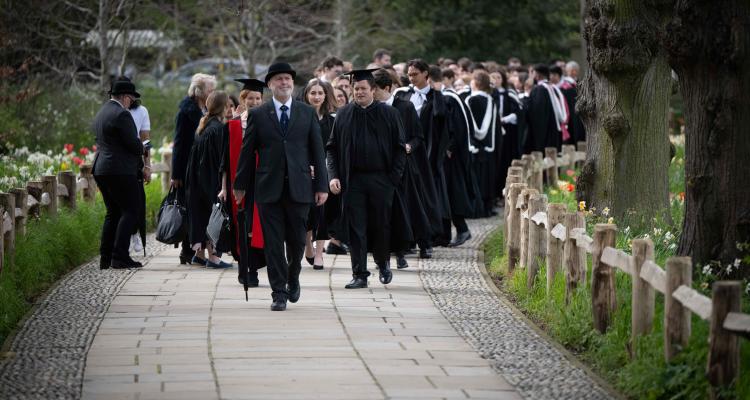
<point>198,260</point>
<point>460,239</point>
<point>186,257</point>
<point>125,264</point>
<point>279,302</point>
<point>442,242</point>
<point>425,253</point>
<point>335,249</point>
<point>357,283</point>
<point>310,260</point>
<point>294,291</point>
<point>105,263</point>
<point>318,267</point>
<point>385,273</point>
<point>401,262</point>
<point>251,282</point>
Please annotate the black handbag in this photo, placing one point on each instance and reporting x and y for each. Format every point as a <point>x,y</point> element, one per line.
<point>172,220</point>
<point>219,229</point>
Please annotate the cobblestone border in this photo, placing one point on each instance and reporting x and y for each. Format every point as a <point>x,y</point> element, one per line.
<point>47,355</point>
<point>537,368</point>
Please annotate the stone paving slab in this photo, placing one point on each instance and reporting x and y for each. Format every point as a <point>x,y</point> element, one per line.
<point>184,332</point>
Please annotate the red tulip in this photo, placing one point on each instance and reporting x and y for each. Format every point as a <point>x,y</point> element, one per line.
<point>84,151</point>
<point>69,147</point>
<point>78,160</point>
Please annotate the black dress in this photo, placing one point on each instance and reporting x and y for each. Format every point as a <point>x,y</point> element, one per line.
<point>203,177</point>
<point>317,220</point>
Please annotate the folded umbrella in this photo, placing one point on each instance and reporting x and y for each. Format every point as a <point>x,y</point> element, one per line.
<point>244,253</point>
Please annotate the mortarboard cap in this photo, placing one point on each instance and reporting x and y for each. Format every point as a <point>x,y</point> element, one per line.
<point>254,85</point>
<point>361,74</point>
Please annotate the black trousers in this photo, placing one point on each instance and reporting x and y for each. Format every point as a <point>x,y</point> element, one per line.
<point>283,223</point>
<point>368,204</point>
<point>120,194</point>
<point>458,221</point>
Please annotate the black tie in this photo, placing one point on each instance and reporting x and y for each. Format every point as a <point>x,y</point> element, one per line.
<point>284,120</point>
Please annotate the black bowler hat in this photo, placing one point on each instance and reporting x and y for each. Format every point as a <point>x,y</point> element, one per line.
<point>253,85</point>
<point>121,87</point>
<point>279,68</point>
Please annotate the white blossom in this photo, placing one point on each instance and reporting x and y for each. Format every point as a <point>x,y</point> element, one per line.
<point>707,269</point>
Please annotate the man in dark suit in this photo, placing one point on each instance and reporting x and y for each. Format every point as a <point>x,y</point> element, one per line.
<point>285,133</point>
<point>118,153</point>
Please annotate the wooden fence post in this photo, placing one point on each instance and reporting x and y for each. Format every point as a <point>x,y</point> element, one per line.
<point>89,193</point>
<point>524,210</point>
<point>582,146</point>
<point>573,271</point>
<point>538,181</point>
<point>569,153</point>
<point>537,239</point>
<point>520,163</point>
<point>21,196</point>
<point>555,215</point>
<point>529,169</point>
<point>166,176</point>
<point>68,179</point>
<point>49,186</point>
<point>724,347</point>
<point>514,227</point>
<point>514,176</point>
<point>677,324</point>
<point>552,176</point>
<point>642,313</point>
<point>603,295</point>
<point>2,244</point>
<point>8,203</point>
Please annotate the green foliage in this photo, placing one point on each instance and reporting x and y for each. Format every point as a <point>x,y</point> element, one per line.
<point>638,371</point>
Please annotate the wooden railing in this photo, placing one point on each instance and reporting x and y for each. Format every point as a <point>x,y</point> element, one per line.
<point>537,232</point>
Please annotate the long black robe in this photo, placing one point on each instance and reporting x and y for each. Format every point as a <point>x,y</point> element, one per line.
<point>386,121</point>
<point>463,189</point>
<point>417,187</point>
<point>318,219</point>
<point>203,177</point>
<point>486,165</point>
<point>575,124</point>
<point>510,149</point>
<point>542,128</point>
<point>437,139</point>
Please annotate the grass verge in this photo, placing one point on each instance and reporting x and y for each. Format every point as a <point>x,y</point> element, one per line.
<point>637,370</point>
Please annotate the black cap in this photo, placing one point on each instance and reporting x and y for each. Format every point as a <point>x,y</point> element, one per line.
<point>279,68</point>
<point>123,87</point>
<point>361,74</point>
<point>254,85</point>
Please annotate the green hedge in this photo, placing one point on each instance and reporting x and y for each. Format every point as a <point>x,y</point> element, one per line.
<point>51,248</point>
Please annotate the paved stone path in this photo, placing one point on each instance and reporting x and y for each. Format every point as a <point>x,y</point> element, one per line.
<point>437,331</point>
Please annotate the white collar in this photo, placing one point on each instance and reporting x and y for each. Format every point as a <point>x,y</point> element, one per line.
<point>117,102</point>
<point>277,104</point>
<point>390,100</point>
<point>424,90</point>
<point>368,105</point>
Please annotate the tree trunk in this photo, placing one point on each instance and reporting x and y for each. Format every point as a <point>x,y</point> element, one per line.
<point>624,105</point>
<point>103,44</point>
<point>709,48</point>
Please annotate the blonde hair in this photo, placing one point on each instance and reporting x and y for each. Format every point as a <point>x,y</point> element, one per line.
<point>216,103</point>
<point>199,85</point>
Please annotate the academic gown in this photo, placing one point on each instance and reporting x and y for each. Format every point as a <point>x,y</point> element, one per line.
<point>510,149</point>
<point>340,147</point>
<point>434,126</point>
<point>463,189</point>
<point>486,165</point>
<point>231,155</point>
<point>575,124</point>
<point>203,178</point>
<point>542,128</point>
<point>417,187</point>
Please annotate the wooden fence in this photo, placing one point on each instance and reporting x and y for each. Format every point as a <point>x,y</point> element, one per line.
<point>537,232</point>
<point>51,192</point>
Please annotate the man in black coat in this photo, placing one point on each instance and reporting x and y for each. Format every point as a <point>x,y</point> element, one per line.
<point>285,133</point>
<point>366,160</point>
<point>186,123</point>
<point>118,154</point>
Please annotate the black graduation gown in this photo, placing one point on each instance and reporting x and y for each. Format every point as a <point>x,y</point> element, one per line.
<point>256,256</point>
<point>437,139</point>
<point>542,128</point>
<point>510,149</point>
<point>417,187</point>
<point>203,177</point>
<point>463,190</point>
<point>486,165</point>
<point>339,151</point>
<point>575,124</point>
<point>318,219</point>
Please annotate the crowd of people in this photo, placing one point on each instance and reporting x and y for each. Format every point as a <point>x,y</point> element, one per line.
<point>387,160</point>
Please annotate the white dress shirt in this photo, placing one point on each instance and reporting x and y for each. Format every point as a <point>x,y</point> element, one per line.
<point>277,105</point>
<point>419,97</point>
